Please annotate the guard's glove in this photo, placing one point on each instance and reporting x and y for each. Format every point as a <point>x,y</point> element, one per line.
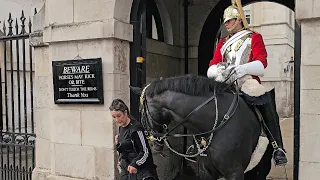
<point>254,68</point>
<point>240,71</point>
<point>215,70</point>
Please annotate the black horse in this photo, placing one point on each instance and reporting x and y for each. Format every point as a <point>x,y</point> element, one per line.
<point>222,124</point>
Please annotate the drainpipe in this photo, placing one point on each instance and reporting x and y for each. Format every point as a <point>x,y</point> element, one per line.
<point>186,36</point>
<point>297,74</point>
<point>186,4</point>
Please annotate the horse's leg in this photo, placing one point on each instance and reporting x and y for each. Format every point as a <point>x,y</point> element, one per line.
<point>207,170</point>
<point>264,166</point>
<point>251,175</point>
<point>235,176</point>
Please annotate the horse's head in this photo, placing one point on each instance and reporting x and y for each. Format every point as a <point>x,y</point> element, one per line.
<point>154,117</point>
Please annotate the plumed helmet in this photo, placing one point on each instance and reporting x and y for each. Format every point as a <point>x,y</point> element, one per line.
<point>230,13</point>
<point>235,11</point>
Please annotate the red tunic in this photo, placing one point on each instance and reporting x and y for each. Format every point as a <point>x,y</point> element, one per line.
<point>258,52</point>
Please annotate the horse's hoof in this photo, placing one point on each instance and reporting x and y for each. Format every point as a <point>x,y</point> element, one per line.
<point>280,158</point>
<point>281,162</point>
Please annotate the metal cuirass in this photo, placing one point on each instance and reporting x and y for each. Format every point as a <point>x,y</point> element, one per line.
<point>238,52</point>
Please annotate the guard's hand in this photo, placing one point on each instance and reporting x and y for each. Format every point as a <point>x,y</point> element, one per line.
<point>240,71</point>
<point>132,170</point>
<point>212,71</point>
<point>116,139</point>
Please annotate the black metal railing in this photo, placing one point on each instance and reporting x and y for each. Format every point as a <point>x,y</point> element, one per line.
<point>17,140</point>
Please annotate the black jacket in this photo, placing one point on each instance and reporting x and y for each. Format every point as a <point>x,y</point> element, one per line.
<point>133,146</point>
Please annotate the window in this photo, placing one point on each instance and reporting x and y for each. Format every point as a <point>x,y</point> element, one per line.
<point>154,29</point>
<point>153,22</point>
<point>247,16</point>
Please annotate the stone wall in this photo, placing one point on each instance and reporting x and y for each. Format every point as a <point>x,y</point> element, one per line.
<point>77,141</point>
<point>309,19</point>
<point>274,22</point>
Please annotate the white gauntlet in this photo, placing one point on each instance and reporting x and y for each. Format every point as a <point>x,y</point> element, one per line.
<point>216,70</point>
<point>254,68</point>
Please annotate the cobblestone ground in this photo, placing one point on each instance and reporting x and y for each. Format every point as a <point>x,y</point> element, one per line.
<point>278,173</point>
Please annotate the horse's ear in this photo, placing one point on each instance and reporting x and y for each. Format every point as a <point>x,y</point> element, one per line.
<point>136,90</point>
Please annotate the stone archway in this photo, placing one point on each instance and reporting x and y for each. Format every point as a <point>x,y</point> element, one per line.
<point>122,10</point>
<point>279,53</point>
<point>152,30</point>
<point>209,30</point>
<point>211,27</point>
<point>209,35</point>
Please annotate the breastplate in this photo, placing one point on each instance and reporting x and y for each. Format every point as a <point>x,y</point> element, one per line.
<point>238,53</point>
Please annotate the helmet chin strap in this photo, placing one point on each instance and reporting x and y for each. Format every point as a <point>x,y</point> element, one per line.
<point>230,30</point>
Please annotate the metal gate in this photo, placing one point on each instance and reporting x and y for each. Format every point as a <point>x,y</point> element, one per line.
<point>17,140</point>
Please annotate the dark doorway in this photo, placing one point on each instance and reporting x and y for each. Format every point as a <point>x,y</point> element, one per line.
<point>143,12</point>
<point>137,49</point>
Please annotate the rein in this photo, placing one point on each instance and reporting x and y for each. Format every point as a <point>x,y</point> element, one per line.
<point>226,117</point>
<point>214,129</point>
<point>163,136</point>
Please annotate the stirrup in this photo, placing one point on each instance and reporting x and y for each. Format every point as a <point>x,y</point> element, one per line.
<point>283,160</point>
<point>274,145</point>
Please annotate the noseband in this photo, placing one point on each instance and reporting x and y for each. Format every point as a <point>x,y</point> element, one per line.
<point>145,114</point>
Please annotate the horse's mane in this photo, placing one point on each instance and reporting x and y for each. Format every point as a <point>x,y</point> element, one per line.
<point>188,84</point>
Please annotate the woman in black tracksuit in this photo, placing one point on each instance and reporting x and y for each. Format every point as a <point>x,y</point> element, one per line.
<point>136,160</point>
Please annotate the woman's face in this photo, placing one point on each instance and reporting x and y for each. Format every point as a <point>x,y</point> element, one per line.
<point>121,118</point>
<point>230,24</point>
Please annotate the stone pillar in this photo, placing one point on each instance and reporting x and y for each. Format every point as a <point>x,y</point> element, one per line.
<point>76,141</point>
<point>308,14</point>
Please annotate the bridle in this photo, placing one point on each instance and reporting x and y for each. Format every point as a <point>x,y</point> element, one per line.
<point>159,137</point>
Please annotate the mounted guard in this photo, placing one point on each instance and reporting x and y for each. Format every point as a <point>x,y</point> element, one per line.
<point>241,57</point>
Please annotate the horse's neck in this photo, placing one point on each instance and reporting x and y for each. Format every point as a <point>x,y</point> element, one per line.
<point>181,105</point>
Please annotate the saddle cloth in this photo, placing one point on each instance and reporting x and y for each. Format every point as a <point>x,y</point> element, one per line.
<point>257,154</point>
<point>260,149</point>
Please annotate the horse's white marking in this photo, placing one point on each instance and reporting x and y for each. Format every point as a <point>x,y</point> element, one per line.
<point>257,154</point>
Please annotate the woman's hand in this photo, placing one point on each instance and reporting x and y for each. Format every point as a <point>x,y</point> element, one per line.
<point>132,170</point>
<point>116,139</point>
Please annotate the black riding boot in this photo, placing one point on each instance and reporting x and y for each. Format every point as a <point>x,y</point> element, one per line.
<point>271,118</point>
